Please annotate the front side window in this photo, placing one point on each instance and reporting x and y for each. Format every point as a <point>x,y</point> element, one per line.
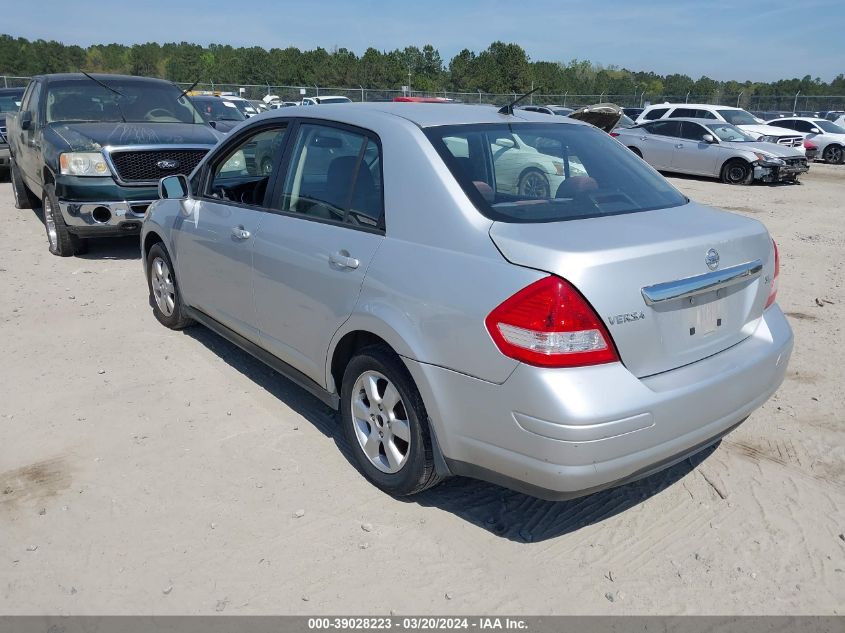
<point>334,175</point>
<point>692,131</point>
<point>242,173</point>
<point>546,172</point>
<point>730,133</point>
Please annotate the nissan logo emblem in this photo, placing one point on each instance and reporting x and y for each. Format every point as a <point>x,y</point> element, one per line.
<point>712,259</point>
<point>168,164</point>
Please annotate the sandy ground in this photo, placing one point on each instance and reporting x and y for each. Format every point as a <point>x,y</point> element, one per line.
<point>146,471</point>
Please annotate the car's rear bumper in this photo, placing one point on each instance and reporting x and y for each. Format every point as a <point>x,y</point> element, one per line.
<point>562,433</point>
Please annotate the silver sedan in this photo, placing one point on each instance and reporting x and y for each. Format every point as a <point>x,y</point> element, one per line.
<point>704,147</point>
<point>556,342</point>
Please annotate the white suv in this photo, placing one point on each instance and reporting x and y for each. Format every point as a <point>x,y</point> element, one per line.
<point>735,116</point>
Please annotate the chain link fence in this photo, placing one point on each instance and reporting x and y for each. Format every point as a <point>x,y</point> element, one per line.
<point>754,103</point>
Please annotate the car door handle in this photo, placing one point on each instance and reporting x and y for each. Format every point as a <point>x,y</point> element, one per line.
<point>679,145</point>
<point>240,233</point>
<point>643,138</point>
<point>343,260</point>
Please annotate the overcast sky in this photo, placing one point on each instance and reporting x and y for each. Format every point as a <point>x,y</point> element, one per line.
<point>736,39</point>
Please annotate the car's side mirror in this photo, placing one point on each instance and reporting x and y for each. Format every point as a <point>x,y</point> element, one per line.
<point>708,138</point>
<point>505,142</point>
<point>815,130</point>
<point>173,187</point>
<point>26,120</point>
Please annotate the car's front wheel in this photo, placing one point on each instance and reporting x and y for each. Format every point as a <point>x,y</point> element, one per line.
<point>737,172</point>
<point>60,241</point>
<point>165,296</point>
<point>386,424</point>
<point>834,154</point>
<point>534,184</point>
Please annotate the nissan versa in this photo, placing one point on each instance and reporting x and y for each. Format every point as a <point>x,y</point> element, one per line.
<point>554,339</point>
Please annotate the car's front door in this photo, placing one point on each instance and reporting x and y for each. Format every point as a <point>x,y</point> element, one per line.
<point>312,254</point>
<point>692,154</point>
<point>217,236</point>
<point>658,144</point>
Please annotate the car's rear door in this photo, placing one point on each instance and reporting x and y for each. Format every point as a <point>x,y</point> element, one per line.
<point>658,144</point>
<point>312,253</point>
<point>215,240</point>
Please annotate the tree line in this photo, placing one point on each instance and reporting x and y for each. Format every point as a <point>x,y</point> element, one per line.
<point>501,68</point>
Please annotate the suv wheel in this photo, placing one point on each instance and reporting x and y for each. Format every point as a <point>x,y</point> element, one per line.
<point>386,424</point>
<point>164,290</point>
<point>60,241</point>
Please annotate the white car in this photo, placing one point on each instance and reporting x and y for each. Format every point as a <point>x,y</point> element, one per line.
<point>758,128</point>
<point>246,108</point>
<point>829,137</point>
<point>309,101</point>
<point>521,169</point>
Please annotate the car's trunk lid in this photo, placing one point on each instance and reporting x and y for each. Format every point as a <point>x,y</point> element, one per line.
<point>612,259</point>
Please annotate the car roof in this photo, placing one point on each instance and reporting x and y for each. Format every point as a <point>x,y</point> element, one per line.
<point>800,118</point>
<point>423,114</point>
<point>101,77</point>
<point>689,119</point>
<point>694,106</point>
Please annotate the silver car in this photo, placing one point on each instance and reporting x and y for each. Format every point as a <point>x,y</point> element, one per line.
<point>556,344</point>
<point>704,147</point>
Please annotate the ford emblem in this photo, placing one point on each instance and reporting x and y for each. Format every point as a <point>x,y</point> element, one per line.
<point>169,164</point>
<point>712,259</point>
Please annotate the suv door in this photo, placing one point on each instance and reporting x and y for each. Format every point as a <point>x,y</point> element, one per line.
<point>215,241</point>
<point>692,155</point>
<point>659,144</point>
<point>311,255</point>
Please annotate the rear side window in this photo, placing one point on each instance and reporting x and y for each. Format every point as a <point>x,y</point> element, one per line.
<point>539,172</point>
<point>689,113</point>
<point>334,175</point>
<point>665,128</point>
<point>652,115</point>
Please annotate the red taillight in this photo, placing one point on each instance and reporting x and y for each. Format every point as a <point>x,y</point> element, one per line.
<point>773,291</point>
<point>549,324</point>
<point>809,144</point>
<point>614,134</point>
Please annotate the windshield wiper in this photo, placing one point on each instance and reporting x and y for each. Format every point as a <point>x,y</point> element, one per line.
<point>109,88</point>
<point>188,89</point>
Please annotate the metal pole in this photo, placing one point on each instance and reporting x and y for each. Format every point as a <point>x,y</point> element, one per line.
<point>479,95</point>
<point>564,98</point>
<point>687,99</point>
<point>741,92</point>
<point>531,98</point>
<point>642,94</point>
<point>5,82</point>
<point>362,92</point>
<point>601,97</point>
<point>795,103</point>
<point>318,89</point>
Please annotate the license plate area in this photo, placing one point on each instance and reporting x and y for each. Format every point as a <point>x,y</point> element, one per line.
<point>705,314</point>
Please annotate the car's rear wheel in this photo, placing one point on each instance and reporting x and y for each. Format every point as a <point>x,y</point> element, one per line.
<point>60,241</point>
<point>165,296</point>
<point>386,424</point>
<point>534,184</point>
<point>23,196</point>
<point>737,172</point>
<point>834,154</point>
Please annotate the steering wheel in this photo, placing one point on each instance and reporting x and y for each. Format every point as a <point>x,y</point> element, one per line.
<point>157,113</point>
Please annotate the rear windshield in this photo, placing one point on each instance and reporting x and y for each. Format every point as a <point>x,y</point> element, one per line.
<point>214,109</point>
<point>541,172</point>
<point>10,102</point>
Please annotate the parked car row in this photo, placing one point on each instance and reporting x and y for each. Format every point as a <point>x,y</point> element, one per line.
<point>574,270</point>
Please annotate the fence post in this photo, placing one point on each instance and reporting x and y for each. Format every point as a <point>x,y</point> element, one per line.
<point>795,103</point>
<point>5,82</point>
<point>318,89</point>
<point>564,98</point>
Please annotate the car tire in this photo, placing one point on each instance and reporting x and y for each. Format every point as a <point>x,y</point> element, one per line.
<point>636,151</point>
<point>165,296</point>
<point>737,172</point>
<point>533,183</point>
<point>386,424</point>
<point>23,196</point>
<point>834,154</point>
<point>60,241</point>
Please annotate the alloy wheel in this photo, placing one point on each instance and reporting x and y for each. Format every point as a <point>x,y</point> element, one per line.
<point>380,421</point>
<point>50,224</point>
<point>164,290</point>
<point>737,173</point>
<point>534,185</point>
<point>834,154</point>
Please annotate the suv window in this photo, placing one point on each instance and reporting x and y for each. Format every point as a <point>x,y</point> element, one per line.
<point>802,126</point>
<point>651,115</point>
<point>242,174</point>
<point>334,175</point>
<point>34,104</point>
<point>665,128</point>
